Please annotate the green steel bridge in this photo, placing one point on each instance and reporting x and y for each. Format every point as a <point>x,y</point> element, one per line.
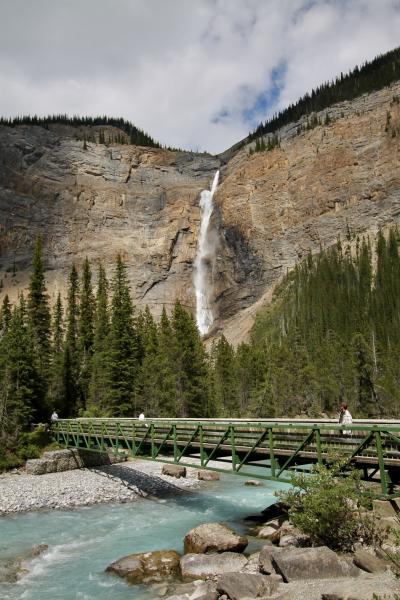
<point>270,448</point>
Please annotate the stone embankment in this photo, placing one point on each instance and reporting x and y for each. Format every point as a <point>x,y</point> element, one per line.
<point>66,460</point>
<point>59,488</point>
<point>215,567</point>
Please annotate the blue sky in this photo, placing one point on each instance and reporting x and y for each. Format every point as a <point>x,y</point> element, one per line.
<point>195,74</point>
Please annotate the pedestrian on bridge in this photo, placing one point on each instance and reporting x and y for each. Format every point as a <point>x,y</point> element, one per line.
<point>345,418</point>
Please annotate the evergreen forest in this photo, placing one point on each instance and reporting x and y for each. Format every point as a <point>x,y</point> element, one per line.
<point>331,334</point>
<point>372,76</point>
<point>135,135</point>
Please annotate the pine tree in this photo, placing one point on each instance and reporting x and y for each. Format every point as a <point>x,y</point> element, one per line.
<point>18,392</point>
<point>5,315</point>
<point>166,383</point>
<point>122,347</point>
<point>71,368</point>
<point>191,365</point>
<point>148,375</point>
<point>98,392</point>
<point>56,389</point>
<point>85,331</point>
<point>39,323</point>
<point>226,383</point>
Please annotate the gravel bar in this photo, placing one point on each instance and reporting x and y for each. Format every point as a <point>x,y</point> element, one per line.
<point>122,482</point>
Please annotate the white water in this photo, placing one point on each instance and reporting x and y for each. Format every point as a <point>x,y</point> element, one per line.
<point>82,542</point>
<point>205,250</point>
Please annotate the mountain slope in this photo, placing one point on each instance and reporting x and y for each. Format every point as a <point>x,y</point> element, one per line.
<point>271,208</point>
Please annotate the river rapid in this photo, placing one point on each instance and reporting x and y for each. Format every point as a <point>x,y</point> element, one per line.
<point>82,542</point>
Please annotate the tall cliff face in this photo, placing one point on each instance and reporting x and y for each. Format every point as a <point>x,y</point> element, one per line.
<point>98,202</point>
<point>272,208</point>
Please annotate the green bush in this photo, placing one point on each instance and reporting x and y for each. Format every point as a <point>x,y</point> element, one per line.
<point>9,460</point>
<point>29,451</point>
<point>332,510</point>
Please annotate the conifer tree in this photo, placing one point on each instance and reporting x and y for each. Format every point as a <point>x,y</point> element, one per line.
<point>191,365</point>
<point>98,392</point>
<point>85,331</point>
<point>166,383</point>
<point>5,315</point>
<point>39,319</point>
<point>18,392</point>
<point>122,347</point>
<point>148,375</point>
<point>226,383</point>
<point>56,389</point>
<point>71,368</point>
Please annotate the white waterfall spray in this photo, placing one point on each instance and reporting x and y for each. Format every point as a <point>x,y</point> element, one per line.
<point>205,247</point>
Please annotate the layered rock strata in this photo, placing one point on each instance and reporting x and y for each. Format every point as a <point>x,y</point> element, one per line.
<point>340,178</point>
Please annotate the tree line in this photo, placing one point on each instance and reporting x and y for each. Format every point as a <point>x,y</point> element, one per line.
<point>93,355</point>
<point>330,335</point>
<point>135,135</point>
<point>370,77</point>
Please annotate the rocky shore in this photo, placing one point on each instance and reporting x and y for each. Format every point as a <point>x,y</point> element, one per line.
<point>126,482</point>
<point>215,566</point>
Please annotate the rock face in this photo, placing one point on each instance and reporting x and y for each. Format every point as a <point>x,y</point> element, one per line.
<point>202,566</point>
<point>271,208</point>
<point>145,567</point>
<point>213,537</point>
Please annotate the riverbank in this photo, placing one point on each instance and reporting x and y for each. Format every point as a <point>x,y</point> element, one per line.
<point>118,483</point>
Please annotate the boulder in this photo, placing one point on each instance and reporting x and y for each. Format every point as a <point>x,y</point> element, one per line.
<point>176,471</point>
<point>36,466</point>
<point>368,562</point>
<point>265,560</point>
<point>254,482</point>
<point>13,569</point>
<point>271,532</point>
<point>196,590</point>
<point>238,586</point>
<point>207,475</point>
<point>289,535</point>
<point>202,566</point>
<point>310,563</point>
<point>253,563</point>
<point>213,537</point>
<point>144,567</point>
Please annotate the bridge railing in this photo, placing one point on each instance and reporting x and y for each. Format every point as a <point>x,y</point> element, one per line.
<point>279,445</point>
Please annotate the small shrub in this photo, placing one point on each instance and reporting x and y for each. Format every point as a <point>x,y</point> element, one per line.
<point>329,508</point>
<point>29,451</point>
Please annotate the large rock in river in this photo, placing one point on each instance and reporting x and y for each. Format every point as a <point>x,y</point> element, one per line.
<point>144,567</point>
<point>202,566</point>
<point>238,586</point>
<point>311,563</point>
<point>213,537</point>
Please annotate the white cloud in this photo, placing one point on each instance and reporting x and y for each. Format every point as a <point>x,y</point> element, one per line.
<point>184,70</point>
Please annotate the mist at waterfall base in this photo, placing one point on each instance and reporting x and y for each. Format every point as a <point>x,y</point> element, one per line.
<point>205,251</point>
<point>82,542</point>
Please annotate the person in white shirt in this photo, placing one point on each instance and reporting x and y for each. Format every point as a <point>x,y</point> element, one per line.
<point>141,417</point>
<point>345,418</point>
<point>54,417</point>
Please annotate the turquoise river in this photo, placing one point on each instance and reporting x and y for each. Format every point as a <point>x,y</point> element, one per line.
<point>82,542</point>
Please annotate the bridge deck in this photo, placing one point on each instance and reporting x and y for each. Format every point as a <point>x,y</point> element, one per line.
<point>281,445</point>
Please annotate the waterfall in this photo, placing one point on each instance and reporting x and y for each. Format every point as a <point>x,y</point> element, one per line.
<point>205,249</point>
